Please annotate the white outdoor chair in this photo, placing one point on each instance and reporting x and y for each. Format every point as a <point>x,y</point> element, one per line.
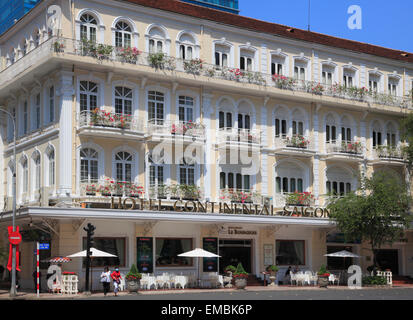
<point>333,278</point>
<point>293,278</point>
<point>122,282</point>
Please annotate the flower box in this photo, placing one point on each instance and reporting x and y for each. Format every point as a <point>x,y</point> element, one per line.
<point>193,66</point>
<point>297,141</point>
<point>128,55</point>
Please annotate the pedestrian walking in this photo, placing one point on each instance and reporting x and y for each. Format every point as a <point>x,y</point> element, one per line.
<point>116,280</point>
<point>105,279</point>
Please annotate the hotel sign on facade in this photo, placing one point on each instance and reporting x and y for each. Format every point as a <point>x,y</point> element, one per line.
<point>217,207</point>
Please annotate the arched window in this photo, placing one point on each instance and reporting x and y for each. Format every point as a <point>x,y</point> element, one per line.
<point>297,123</point>
<point>339,182</point>
<point>391,135</point>
<point>377,135</point>
<point>186,109</point>
<point>88,27</point>
<point>349,76</point>
<point>36,171</point>
<point>88,96</point>
<point>51,103</point>
<point>88,165</point>
<point>186,173</point>
<point>25,174</point>
<point>346,130</point>
<point>123,100</point>
<point>157,39</point>
<point>289,179</point>
<point>187,47</point>
<point>156,104</point>
<point>36,112</point>
<point>51,167</point>
<point>232,180</point>
<point>123,35</point>
<point>222,54</point>
<point>331,129</point>
<point>281,120</point>
<point>246,60</point>
<point>156,172</point>
<point>123,165</point>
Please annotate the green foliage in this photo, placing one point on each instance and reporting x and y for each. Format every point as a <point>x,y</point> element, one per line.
<point>240,272</point>
<point>272,268</point>
<point>323,271</point>
<point>377,214</point>
<point>133,273</point>
<point>230,268</point>
<point>374,280</point>
<point>407,135</point>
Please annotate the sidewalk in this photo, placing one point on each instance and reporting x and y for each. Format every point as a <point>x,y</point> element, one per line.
<point>30,295</point>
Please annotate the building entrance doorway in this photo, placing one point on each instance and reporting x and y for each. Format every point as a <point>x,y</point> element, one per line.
<point>388,259</point>
<point>233,252</point>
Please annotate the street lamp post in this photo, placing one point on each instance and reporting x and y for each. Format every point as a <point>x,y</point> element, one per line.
<point>13,266</point>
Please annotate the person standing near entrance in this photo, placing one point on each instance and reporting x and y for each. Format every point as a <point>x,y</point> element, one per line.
<point>105,279</point>
<point>116,280</point>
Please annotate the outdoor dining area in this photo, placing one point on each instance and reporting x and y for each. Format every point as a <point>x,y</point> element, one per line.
<point>175,281</point>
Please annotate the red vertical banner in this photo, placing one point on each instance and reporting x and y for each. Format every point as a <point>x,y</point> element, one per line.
<point>14,238</point>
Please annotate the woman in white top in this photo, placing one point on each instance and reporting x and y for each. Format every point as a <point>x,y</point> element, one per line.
<point>105,279</point>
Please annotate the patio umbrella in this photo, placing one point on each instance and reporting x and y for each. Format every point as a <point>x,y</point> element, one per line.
<point>343,254</point>
<point>93,254</point>
<point>198,253</point>
<point>59,260</point>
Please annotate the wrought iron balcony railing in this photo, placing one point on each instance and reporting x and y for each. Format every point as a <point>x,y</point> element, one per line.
<point>176,128</point>
<point>239,135</point>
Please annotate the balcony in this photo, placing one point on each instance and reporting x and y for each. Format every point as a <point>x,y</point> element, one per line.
<point>240,196</point>
<point>295,145</point>
<point>175,192</point>
<point>108,124</point>
<point>344,151</point>
<point>62,49</point>
<point>388,155</point>
<point>294,199</point>
<point>102,189</point>
<point>183,131</point>
<point>239,138</point>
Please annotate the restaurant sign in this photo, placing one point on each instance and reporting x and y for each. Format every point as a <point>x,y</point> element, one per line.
<point>217,207</point>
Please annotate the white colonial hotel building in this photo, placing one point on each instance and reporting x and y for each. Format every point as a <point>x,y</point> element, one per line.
<point>89,113</point>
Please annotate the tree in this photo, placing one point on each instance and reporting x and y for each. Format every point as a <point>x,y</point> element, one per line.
<point>379,214</point>
<point>407,135</point>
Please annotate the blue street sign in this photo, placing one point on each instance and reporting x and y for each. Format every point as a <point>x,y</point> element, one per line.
<point>44,246</point>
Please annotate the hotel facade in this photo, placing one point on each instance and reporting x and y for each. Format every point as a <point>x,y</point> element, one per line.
<point>171,126</point>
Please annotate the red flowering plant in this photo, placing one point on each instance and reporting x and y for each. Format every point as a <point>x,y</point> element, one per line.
<point>133,274</point>
<point>283,82</point>
<point>109,119</point>
<point>68,273</point>
<point>323,272</point>
<point>235,74</point>
<point>240,272</point>
<point>351,147</point>
<point>297,141</point>
<point>187,127</point>
<point>317,89</point>
<point>193,66</point>
<point>300,198</point>
<point>128,54</point>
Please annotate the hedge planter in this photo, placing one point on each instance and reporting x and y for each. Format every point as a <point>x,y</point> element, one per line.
<point>132,285</point>
<point>240,283</point>
<point>322,281</point>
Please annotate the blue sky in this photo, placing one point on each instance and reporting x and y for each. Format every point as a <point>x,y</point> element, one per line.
<point>384,23</point>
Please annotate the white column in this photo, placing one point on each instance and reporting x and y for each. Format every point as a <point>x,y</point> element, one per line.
<point>65,170</point>
<point>264,59</point>
<point>363,82</point>
<point>264,174</point>
<point>406,83</point>
<point>363,137</point>
<point>208,152</point>
<point>316,67</point>
<point>316,162</point>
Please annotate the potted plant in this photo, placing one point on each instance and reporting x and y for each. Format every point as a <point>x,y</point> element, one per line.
<point>229,270</point>
<point>240,276</point>
<point>272,269</point>
<point>323,275</point>
<point>132,279</point>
